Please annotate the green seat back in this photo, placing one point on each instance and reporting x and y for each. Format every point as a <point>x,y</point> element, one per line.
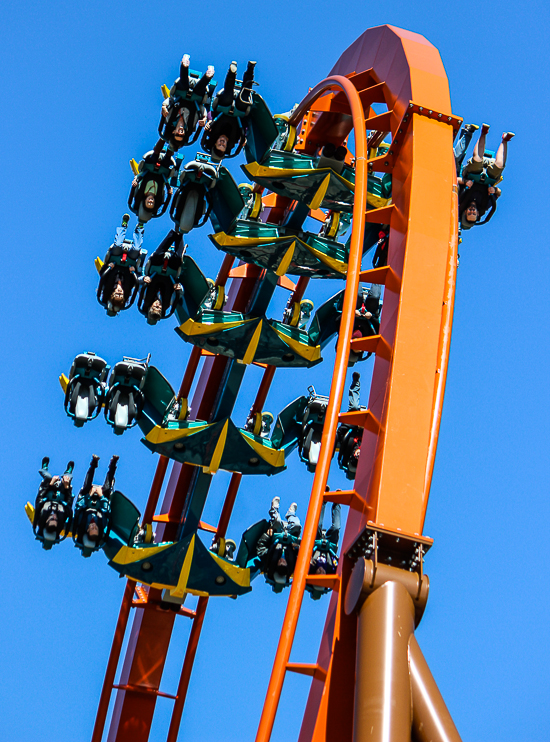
<point>262,130</point>
<point>124,517</point>
<point>286,429</point>
<point>158,391</point>
<point>194,283</point>
<point>247,547</point>
<point>226,201</point>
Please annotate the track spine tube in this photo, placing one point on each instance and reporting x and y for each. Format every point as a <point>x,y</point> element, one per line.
<point>282,656</point>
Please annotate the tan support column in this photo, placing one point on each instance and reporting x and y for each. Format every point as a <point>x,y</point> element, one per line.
<point>383,708</point>
<point>431,719</point>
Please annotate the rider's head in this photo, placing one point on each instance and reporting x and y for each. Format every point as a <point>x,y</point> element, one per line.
<point>470,216</point>
<point>219,148</point>
<point>318,566</point>
<point>472,213</point>
<point>179,130</point>
<point>51,526</point>
<point>155,312</point>
<point>150,195</point>
<point>92,532</point>
<point>117,298</point>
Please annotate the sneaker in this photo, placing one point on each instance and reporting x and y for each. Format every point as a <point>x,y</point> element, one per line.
<point>233,67</point>
<point>484,129</point>
<point>275,503</point>
<point>125,220</point>
<point>355,377</point>
<point>70,467</point>
<point>470,128</point>
<point>140,227</point>
<point>292,509</point>
<point>45,462</point>
<point>507,136</point>
<point>210,71</point>
<point>185,60</point>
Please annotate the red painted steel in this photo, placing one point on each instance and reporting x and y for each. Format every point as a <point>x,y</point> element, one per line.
<point>132,716</point>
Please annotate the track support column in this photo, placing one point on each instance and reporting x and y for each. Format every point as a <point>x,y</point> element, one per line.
<point>383,708</point>
<point>390,603</point>
<point>432,721</point>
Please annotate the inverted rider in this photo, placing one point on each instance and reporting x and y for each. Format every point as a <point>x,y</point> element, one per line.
<point>478,191</point>
<point>118,277</point>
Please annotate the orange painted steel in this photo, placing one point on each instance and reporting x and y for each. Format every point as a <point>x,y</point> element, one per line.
<point>444,348</point>
<point>336,392</point>
<point>397,456</point>
<point>396,463</point>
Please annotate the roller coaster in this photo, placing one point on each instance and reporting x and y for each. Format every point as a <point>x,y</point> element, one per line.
<point>365,150</point>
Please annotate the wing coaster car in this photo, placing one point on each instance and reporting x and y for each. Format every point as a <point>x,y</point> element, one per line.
<point>179,567</point>
<point>250,339</point>
<point>86,390</point>
<point>212,446</point>
<point>324,180</point>
<point>288,248</point>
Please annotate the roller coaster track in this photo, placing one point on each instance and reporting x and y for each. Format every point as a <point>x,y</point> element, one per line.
<point>390,494</point>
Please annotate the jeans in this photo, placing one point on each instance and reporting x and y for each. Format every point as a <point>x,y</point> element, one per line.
<point>461,146</point>
<point>137,237</point>
<point>277,523</point>
<point>354,394</point>
<point>333,533</point>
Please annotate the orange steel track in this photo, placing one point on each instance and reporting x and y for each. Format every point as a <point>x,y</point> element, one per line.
<point>401,69</point>
<point>391,489</point>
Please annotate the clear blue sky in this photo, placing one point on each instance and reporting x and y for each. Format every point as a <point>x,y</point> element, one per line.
<point>80,93</point>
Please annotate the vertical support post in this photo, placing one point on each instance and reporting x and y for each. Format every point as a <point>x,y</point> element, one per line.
<point>383,709</point>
